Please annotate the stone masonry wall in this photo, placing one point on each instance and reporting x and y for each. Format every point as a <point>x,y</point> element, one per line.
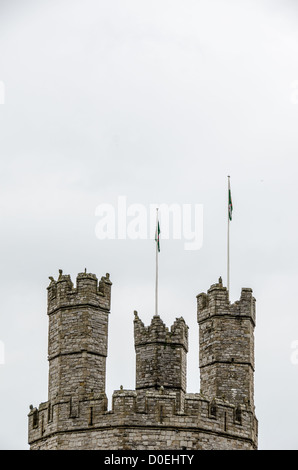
<point>226,333</point>
<point>160,354</point>
<point>159,414</point>
<point>78,334</point>
<point>151,423</point>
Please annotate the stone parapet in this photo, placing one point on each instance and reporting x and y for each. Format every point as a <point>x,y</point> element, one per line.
<point>201,425</point>
<point>88,291</point>
<point>159,414</point>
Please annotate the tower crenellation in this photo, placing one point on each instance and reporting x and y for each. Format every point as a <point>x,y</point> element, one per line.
<point>88,289</point>
<point>158,332</point>
<point>78,334</point>
<point>161,354</point>
<point>226,333</point>
<point>158,413</point>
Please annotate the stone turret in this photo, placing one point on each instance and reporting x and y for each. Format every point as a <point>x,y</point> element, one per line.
<point>78,335</point>
<point>226,333</point>
<point>161,354</point>
<point>158,414</point>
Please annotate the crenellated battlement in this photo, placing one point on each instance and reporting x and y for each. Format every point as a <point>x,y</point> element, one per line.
<point>158,332</point>
<point>159,413</point>
<point>78,334</point>
<point>145,415</point>
<point>88,290</point>
<point>227,344</point>
<point>160,354</point>
<point>216,302</point>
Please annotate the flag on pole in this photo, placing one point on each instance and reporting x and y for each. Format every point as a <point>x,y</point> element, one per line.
<point>157,241</point>
<point>230,202</point>
<point>157,235</point>
<point>230,210</point>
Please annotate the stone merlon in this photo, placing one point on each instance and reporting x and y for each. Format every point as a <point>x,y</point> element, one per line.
<point>159,414</point>
<point>158,332</point>
<point>88,290</point>
<point>216,302</point>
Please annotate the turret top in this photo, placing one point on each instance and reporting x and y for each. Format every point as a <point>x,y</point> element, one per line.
<point>158,332</point>
<point>87,291</point>
<point>216,302</point>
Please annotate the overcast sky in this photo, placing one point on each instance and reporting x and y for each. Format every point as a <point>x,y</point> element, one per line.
<point>157,102</point>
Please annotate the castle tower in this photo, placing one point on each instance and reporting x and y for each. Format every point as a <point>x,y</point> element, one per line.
<point>226,344</point>
<point>161,354</point>
<point>78,335</point>
<point>158,414</point>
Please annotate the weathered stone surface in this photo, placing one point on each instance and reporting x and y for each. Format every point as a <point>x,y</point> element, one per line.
<point>159,413</point>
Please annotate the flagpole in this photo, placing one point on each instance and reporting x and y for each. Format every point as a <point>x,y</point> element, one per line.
<point>228,239</point>
<point>156,272</point>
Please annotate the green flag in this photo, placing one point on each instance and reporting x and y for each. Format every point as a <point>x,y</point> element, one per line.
<point>230,203</point>
<point>157,236</point>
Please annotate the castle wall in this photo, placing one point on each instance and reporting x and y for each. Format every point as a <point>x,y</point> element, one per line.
<point>155,423</point>
<point>226,347</point>
<point>159,414</point>
<point>160,354</point>
<point>78,334</point>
